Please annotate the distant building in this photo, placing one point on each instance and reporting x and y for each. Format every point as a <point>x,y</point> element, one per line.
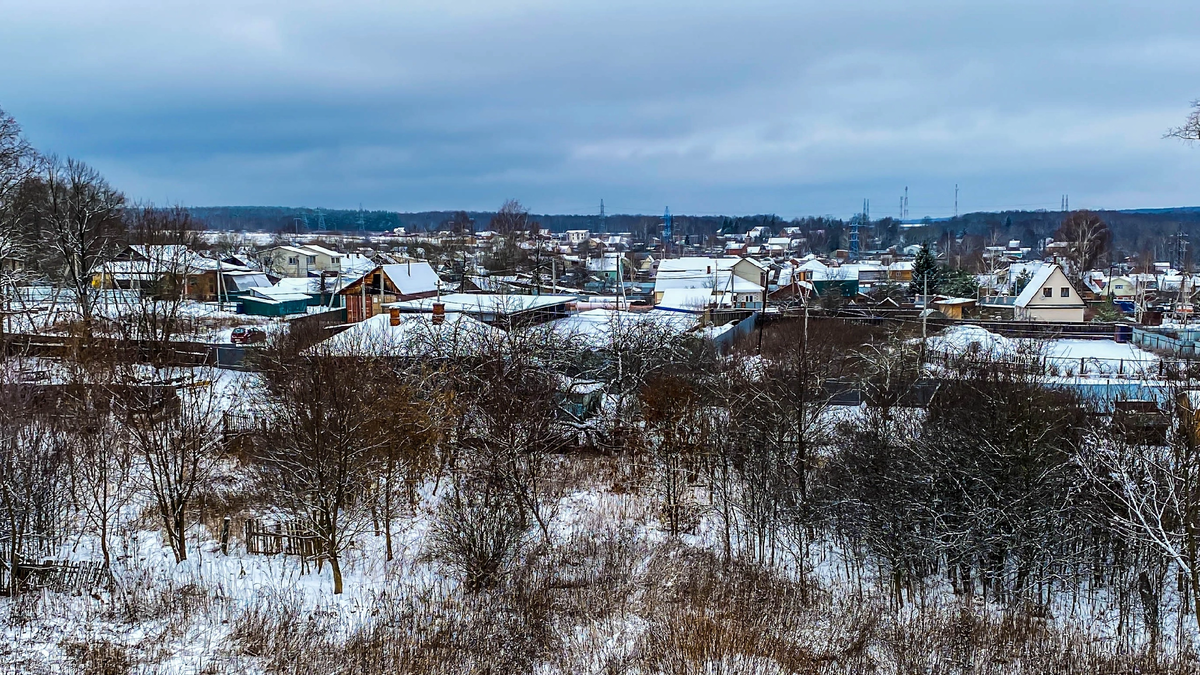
<point>301,261</point>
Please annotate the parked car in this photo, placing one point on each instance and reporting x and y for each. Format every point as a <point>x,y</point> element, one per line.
<point>248,335</point>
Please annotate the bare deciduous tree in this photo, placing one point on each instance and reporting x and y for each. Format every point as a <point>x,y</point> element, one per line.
<point>1190,129</point>
<point>1088,239</point>
<point>32,477</point>
<point>178,447</point>
<point>331,426</point>
<point>102,464</point>
<point>79,215</point>
<point>165,241</point>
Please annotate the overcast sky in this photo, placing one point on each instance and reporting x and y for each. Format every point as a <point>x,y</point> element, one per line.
<point>798,107</point>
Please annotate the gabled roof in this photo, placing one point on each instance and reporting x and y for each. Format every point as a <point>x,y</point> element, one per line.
<point>1030,292</point>
<point>323,251</point>
<point>411,278</point>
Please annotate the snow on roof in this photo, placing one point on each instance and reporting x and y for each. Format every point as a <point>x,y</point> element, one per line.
<point>692,299</point>
<point>599,328</point>
<point>485,303</point>
<point>294,249</point>
<point>323,251</point>
<point>1035,285</point>
<point>416,335</point>
<point>243,281</point>
<point>299,285</point>
<point>413,277</point>
<point>357,264</point>
<point>278,295</point>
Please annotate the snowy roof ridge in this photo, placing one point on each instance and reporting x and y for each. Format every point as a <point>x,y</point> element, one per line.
<point>1035,284</point>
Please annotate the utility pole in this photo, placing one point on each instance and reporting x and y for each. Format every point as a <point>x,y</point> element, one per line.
<point>925,316</point>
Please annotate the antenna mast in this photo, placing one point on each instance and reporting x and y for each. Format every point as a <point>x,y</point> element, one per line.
<point>956,200</point>
<point>667,230</point>
<point>603,219</point>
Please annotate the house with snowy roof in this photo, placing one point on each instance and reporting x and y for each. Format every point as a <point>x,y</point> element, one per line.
<point>412,280</point>
<point>735,283</point>
<point>1049,296</point>
<point>300,260</point>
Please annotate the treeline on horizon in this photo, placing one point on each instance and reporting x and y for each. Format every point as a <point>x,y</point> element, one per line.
<point>1134,231</point>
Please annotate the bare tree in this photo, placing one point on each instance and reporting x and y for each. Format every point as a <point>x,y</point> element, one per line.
<point>79,215</point>
<point>409,453</point>
<point>1088,239</point>
<point>330,431</point>
<point>102,464</point>
<point>19,162</point>
<point>160,274</point>
<point>32,477</point>
<point>511,218</point>
<point>178,446</point>
<point>1154,490</point>
<point>678,428</point>
<point>1190,129</point>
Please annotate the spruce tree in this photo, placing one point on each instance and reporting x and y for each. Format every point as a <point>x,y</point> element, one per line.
<point>925,267</point>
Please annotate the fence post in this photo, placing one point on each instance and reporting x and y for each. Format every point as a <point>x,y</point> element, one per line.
<point>225,535</point>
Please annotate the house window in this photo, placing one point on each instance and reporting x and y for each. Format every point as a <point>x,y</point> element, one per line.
<point>293,261</point>
<point>312,260</point>
<point>1047,292</point>
<point>1065,292</point>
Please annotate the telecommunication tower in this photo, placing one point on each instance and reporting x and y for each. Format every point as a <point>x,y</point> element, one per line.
<point>667,231</point>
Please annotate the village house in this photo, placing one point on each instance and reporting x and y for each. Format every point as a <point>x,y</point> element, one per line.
<point>365,297</point>
<point>153,269</point>
<point>1049,296</point>
<point>577,237</point>
<point>737,283</point>
<point>301,261</point>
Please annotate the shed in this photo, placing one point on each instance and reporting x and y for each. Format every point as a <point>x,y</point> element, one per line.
<point>268,302</point>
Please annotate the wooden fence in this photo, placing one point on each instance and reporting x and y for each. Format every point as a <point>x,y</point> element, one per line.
<point>58,576</point>
<point>285,538</point>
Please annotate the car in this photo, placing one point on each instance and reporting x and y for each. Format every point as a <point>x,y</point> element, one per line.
<point>248,335</point>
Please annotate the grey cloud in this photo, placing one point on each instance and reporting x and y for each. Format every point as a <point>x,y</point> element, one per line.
<point>794,108</point>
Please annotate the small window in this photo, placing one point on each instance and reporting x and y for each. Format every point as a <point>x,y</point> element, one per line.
<point>312,260</point>
<point>293,261</point>
<point>1065,292</point>
<point>1047,292</point>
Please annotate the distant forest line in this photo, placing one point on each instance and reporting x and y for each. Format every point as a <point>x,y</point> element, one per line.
<point>1134,231</point>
